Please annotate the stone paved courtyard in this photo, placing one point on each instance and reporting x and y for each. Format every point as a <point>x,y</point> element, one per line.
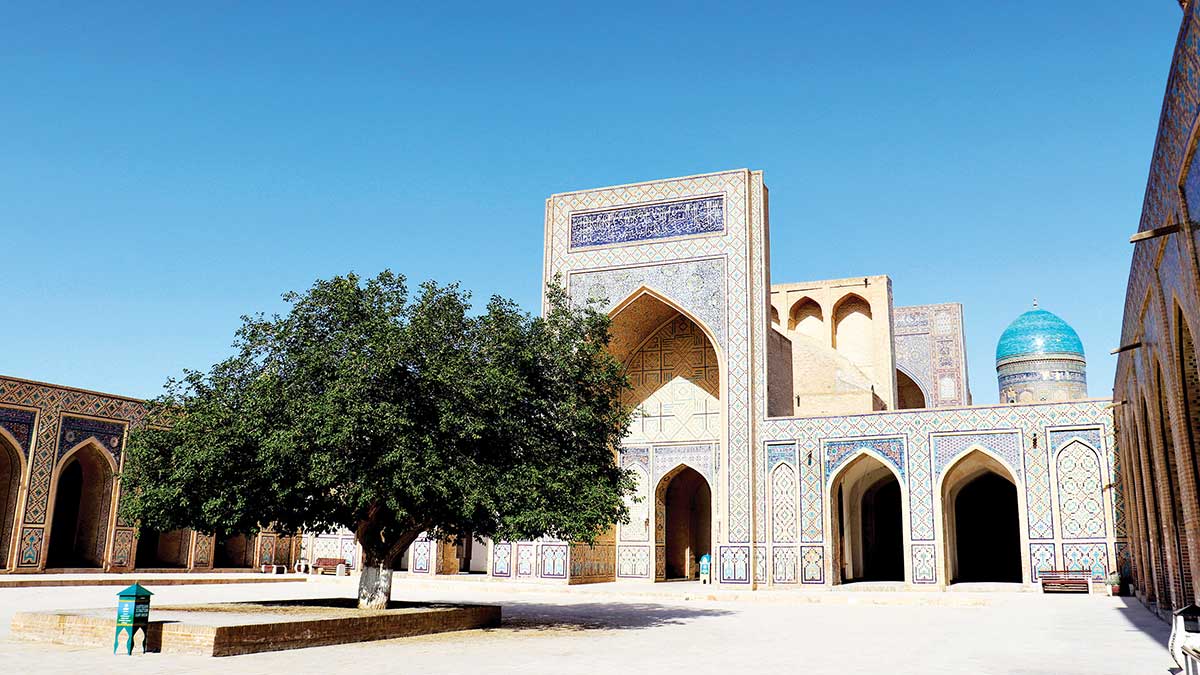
<point>608,630</point>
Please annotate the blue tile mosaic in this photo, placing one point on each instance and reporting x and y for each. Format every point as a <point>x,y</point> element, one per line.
<point>705,215</point>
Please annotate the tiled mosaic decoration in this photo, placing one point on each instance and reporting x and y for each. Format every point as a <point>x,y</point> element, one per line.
<point>19,423</point>
<point>812,561</point>
<point>735,564</point>
<point>838,452</point>
<point>1041,557</point>
<point>75,430</point>
<point>924,569</point>
<point>783,567</point>
<point>554,561</point>
<point>501,559</point>
<point>633,561</point>
<point>1080,500</point>
<point>783,504</point>
<point>653,221</point>
<point>1087,556</point>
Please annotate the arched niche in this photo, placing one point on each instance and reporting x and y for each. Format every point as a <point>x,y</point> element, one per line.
<point>683,523</point>
<point>674,370</point>
<point>12,469</point>
<point>853,331</point>
<point>867,521</point>
<point>83,496</point>
<point>981,520</point>
<point>806,318</point>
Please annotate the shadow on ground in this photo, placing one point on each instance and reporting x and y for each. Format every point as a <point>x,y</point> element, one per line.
<point>1142,619</point>
<point>522,616</point>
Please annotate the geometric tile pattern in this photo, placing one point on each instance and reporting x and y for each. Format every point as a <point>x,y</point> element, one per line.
<point>31,545</point>
<point>1006,445</point>
<point>812,559</point>
<point>75,430</point>
<point>699,457</point>
<point>735,564</point>
<point>1124,560</point>
<point>760,564</point>
<point>920,491</point>
<point>655,221</point>
<point>638,527</point>
<point>1080,501</point>
<point>837,452</point>
<point>122,547</point>
<point>19,423</point>
<point>1087,556</point>
<point>525,556</point>
<point>1037,492</point>
<point>783,565</point>
<point>812,522</point>
<point>674,382</point>
<point>923,564</point>
<point>422,556</point>
<point>783,504</point>
<point>501,559</point>
<point>1041,557</point>
<point>554,561</point>
<point>203,550</point>
<point>633,561</point>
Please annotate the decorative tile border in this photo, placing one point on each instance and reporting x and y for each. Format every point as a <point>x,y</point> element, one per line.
<point>1041,557</point>
<point>640,223</point>
<point>501,559</point>
<point>812,561</point>
<point>783,565</point>
<point>633,562</point>
<point>554,561</point>
<point>924,564</point>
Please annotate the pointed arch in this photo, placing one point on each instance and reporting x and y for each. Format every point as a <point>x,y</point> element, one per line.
<point>654,309</point>
<point>682,523</point>
<point>783,504</point>
<point>83,489</point>
<point>806,317</point>
<point>12,477</point>
<point>868,518</point>
<point>854,331</point>
<point>981,516</point>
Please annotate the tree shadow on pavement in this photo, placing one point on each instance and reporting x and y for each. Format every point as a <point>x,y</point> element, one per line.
<point>522,616</point>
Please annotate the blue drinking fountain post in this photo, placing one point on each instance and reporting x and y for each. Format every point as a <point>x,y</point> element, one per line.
<point>705,569</point>
<point>133,613</point>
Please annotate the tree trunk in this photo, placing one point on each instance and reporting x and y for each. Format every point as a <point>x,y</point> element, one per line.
<point>382,544</point>
<point>374,583</point>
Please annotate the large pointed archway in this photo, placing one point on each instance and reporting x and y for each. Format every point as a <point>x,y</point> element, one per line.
<point>82,507</point>
<point>12,468</point>
<point>867,521</point>
<point>981,525</point>
<point>683,506</point>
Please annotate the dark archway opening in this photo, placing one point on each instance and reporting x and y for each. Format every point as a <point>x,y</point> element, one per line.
<point>163,549</point>
<point>987,530</point>
<point>688,503</point>
<point>10,489</point>
<point>234,552</point>
<point>882,532</point>
<point>79,526</point>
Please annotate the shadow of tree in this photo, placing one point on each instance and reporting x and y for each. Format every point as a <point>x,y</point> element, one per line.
<point>526,616</point>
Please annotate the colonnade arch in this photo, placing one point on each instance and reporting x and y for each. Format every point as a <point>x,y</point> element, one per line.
<point>867,521</point>
<point>981,520</point>
<point>83,500</point>
<point>12,469</point>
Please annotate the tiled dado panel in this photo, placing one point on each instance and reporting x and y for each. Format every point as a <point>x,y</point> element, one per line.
<point>671,237</point>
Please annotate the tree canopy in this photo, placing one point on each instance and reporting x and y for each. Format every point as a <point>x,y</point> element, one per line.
<point>392,414</point>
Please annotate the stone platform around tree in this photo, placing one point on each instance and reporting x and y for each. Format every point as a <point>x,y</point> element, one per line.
<point>228,629</point>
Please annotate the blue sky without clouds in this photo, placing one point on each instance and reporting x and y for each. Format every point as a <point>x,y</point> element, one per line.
<point>164,169</point>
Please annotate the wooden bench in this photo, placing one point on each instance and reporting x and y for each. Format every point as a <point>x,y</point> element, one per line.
<point>1066,581</point>
<point>328,565</point>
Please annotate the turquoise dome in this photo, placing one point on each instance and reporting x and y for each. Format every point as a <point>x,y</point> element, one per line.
<point>1038,332</point>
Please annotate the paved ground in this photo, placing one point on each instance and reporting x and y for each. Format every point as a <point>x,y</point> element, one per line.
<point>627,630</point>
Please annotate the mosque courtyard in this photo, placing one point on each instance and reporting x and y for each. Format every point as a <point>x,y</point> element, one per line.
<point>607,627</point>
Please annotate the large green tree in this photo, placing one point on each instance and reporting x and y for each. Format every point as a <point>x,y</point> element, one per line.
<point>391,415</point>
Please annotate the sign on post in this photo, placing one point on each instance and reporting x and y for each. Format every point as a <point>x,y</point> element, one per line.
<point>133,613</point>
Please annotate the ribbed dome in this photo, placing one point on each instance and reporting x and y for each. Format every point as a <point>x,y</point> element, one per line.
<point>1038,332</point>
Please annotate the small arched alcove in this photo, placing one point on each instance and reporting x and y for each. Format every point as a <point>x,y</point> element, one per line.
<point>980,520</point>
<point>683,531</point>
<point>909,394</point>
<point>867,519</point>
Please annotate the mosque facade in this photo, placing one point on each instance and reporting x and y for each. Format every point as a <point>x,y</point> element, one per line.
<point>800,434</point>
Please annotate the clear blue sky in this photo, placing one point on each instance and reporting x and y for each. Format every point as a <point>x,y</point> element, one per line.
<point>165,169</point>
